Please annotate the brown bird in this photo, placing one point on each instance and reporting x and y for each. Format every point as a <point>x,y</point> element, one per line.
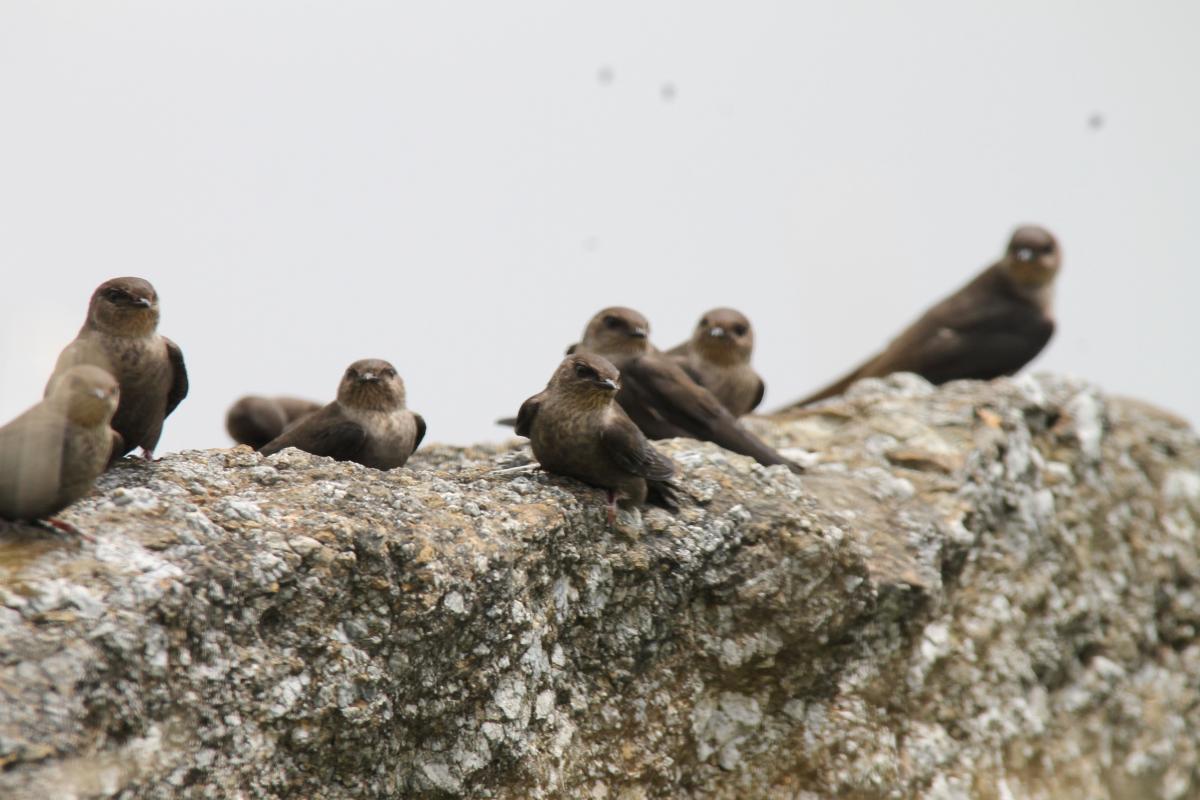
<point>51,454</point>
<point>993,326</point>
<point>119,336</point>
<point>576,429</point>
<point>659,395</point>
<point>367,423</point>
<point>256,420</point>
<point>718,358</point>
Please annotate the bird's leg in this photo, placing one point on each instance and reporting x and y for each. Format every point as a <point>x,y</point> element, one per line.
<point>54,523</point>
<point>148,455</point>
<point>612,507</point>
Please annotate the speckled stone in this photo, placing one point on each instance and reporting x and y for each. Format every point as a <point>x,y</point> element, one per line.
<point>980,590</point>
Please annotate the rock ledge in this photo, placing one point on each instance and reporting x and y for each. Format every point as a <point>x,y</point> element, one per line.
<point>987,590</point>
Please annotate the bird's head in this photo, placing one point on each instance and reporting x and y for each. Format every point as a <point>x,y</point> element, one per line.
<point>724,336</point>
<point>616,332</point>
<point>124,307</point>
<point>1033,257</point>
<point>371,384</point>
<point>88,395</point>
<point>587,378</point>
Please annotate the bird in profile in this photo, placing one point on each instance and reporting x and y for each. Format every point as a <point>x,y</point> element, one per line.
<point>52,454</point>
<point>576,428</point>
<point>990,327</point>
<point>718,358</point>
<point>659,396</point>
<point>256,420</point>
<point>120,336</point>
<point>368,423</point>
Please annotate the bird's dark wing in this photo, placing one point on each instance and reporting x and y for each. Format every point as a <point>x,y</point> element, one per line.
<point>691,371</point>
<point>632,451</point>
<point>758,395</point>
<point>118,444</point>
<point>179,378</point>
<point>417,418</point>
<point>981,331</point>
<point>983,346</point>
<point>664,402</point>
<point>323,433</point>
<point>525,416</point>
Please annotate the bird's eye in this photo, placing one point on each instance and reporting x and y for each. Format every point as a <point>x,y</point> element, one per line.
<point>351,374</point>
<point>611,322</point>
<point>703,323</point>
<point>739,329</point>
<point>388,373</point>
<point>584,371</point>
<point>114,294</point>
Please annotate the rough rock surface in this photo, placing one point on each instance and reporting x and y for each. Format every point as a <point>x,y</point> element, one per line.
<point>986,591</point>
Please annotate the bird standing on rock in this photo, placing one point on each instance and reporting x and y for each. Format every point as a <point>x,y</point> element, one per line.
<point>718,358</point>
<point>256,420</point>
<point>120,336</point>
<point>659,396</point>
<point>51,454</point>
<point>368,423</point>
<point>576,428</point>
<point>993,326</point>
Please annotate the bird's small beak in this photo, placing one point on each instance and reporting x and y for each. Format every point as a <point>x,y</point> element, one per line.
<point>610,384</point>
<point>97,393</point>
<point>718,332</point>
<point>142,301</point>
<point>638,333</point>
<point>368,376</point>
<point>1024,254</point>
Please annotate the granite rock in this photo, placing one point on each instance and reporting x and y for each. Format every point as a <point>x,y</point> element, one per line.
<point>985,590</point>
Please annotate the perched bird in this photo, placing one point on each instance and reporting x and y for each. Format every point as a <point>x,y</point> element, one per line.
<point>576,428</point>
<point>993,326</point>
<point>119,336</point>
<point>367,423</point>
<point>256,420</point>
<point>51,454</point>
<point>718,358</point>
<point>659,395</point>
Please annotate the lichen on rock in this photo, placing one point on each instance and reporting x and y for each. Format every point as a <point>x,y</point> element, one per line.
<point>981,590</point>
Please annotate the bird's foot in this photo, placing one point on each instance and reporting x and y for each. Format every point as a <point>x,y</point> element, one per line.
<point>148,455</point>
<point>612,508</point>
<point>62,526</point>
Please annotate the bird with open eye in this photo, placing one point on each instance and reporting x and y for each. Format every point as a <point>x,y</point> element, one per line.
<point>659,396</point>
<point>52,454</point>
<point>368,423</point>
<point>120,336</point>
<point>576,428</point>
<point>718,358</point>
<point>993,326</point>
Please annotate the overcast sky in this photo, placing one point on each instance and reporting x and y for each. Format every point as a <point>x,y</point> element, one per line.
<point>458,187</point>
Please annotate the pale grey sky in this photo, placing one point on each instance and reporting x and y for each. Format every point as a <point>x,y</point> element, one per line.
<point>456,188</point>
